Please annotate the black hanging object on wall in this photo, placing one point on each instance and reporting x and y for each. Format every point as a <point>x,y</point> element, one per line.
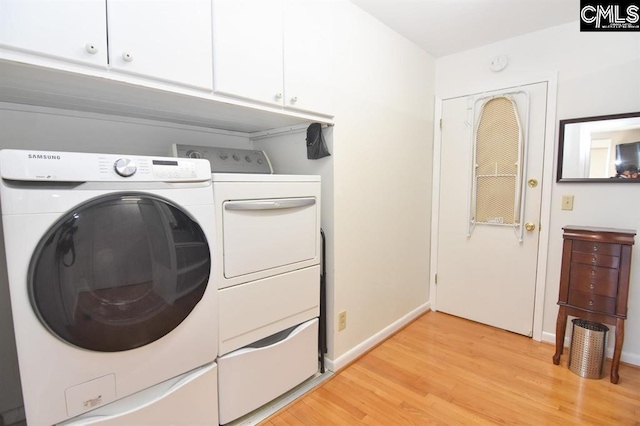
<point>322,332</point>
<point>316,145</point>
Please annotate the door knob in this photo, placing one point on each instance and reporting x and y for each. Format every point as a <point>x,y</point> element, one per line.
<point>532,183</point>
<point>529,226</point>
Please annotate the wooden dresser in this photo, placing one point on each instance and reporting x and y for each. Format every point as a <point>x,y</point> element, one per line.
<point>594,282</point>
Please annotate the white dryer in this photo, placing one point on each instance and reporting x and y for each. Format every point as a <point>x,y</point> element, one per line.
<point>109,264</point>
<point>267,269</point>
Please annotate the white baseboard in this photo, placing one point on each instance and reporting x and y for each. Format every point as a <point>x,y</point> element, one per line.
<point>359,350</point>
<point>628,357</point>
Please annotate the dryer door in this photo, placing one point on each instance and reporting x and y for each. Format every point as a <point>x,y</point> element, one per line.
<point>260,235</point>
<point>119,272</point>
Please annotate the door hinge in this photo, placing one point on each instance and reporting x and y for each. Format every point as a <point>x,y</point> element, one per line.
<point>436,279</point>
<point>441,124</point>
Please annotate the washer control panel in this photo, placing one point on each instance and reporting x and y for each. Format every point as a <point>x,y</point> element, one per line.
<point>227,160</point>
<point>167,169</point>
<point>57,166</point>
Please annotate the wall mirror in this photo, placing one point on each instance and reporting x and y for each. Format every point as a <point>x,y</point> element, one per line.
<point>600,149</point>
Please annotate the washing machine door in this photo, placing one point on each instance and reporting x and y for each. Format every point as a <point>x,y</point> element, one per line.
<point>119,272</point>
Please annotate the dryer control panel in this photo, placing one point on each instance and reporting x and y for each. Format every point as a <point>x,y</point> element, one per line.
<point>227,160</point>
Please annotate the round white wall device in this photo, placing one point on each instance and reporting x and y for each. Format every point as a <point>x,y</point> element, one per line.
<point>498,63</point>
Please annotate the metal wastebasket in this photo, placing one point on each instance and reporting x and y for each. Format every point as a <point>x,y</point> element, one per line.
<point>587,352</point>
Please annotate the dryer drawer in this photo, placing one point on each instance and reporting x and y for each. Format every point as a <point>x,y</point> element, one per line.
<point>253,311</point>
<point>259,235</point>
<point>250,377</point>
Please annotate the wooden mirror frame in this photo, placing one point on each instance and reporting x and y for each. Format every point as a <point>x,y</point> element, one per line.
<point>561,148</point>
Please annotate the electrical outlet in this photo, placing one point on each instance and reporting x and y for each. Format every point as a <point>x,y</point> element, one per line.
<point>342,320</point>
<point>567,202</point>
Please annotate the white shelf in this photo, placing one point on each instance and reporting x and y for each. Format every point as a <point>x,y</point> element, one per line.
<point>97,91</point>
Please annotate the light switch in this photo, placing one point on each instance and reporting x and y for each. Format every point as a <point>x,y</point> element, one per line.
<point>567,202</point>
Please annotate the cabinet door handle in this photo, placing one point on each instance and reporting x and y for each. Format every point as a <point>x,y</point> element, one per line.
<point>91,48</point>
<point>127,57</point>
<point>279,95</point>
<point>294,99</point>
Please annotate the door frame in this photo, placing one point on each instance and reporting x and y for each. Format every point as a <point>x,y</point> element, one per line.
<point>547,185</point>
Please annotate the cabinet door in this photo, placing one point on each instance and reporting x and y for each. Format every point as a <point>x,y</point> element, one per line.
<point>308,55</point>
<point>247,49</point>
<point>165,40</point>
<point>72,30</point>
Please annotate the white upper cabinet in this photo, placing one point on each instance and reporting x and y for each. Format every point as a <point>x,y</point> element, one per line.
<point>273,51</point>
<point>163,40</point>
<point>308,55</point>
<point>71,30</point>
<point>167,40</point>
<point>247,49</point>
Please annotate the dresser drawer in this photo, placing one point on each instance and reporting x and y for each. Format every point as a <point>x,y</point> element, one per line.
<point>596,259</point>
<point>594,280</point>
<point>592,302</point>
<point>596,248</point>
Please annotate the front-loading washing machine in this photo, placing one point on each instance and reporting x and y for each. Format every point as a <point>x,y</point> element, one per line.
<point>109,264</point>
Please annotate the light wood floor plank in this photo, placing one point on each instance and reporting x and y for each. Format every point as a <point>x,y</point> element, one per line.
<point>446,370</point>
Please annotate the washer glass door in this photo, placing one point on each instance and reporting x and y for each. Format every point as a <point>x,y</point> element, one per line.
<point>119,272</point>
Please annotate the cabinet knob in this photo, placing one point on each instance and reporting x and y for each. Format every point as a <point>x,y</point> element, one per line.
<point>91,48</point>
<point>595,248</point>
<point>294,99</point>
<point>127,57</point>
<point>591,286</point>
<point>590,302</point>
<point>279,95</point>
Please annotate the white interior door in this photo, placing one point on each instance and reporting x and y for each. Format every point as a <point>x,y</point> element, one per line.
<point>488,275</point>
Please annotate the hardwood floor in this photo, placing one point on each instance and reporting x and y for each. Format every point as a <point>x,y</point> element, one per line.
<point>445,370</point>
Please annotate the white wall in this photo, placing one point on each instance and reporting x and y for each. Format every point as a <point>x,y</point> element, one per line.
<point>26,127</point>
<point>376,185</point>
<point>382,159</point>
<point>598,74</point>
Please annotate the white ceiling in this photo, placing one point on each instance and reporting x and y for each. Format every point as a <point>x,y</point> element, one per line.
<point>443,27</point>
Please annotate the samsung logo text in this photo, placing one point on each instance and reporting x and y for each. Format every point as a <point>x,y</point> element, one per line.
<point>43,157</point>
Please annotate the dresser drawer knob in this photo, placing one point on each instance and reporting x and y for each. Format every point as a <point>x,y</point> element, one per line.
<point>593,260</point>
<point>595,248</point>
<point>590,302</point>
<point>592,286</point>
<point>593,272</point>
